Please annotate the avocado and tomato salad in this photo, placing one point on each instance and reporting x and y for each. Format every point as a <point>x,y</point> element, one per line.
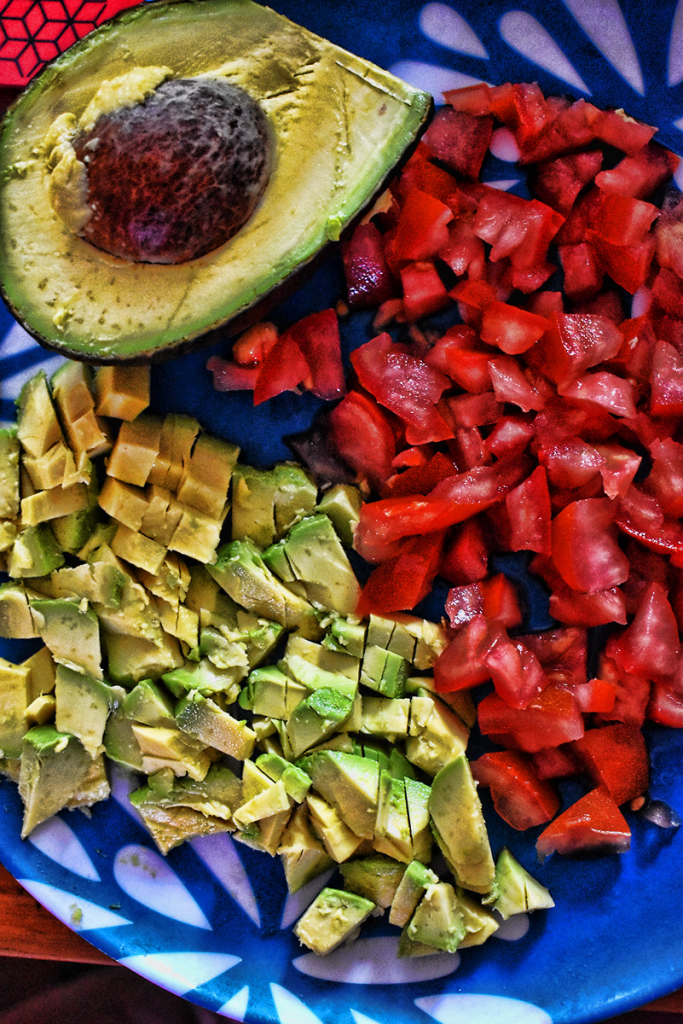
<point>171,172</point>
<point>198,628</point>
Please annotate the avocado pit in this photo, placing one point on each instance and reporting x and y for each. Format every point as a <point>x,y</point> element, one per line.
<point>174,177</point>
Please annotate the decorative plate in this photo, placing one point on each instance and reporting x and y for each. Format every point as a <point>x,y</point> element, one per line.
<point>212,922</point>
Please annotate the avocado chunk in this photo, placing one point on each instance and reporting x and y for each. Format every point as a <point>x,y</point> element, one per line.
<point>38,428</point>
<point>414,882</point>
<point>342,503</point>
<point>15,692</point>
<point>163,747</point>
<point>337,838</point>
<point>267,502</point>
<point>201,718</point>
<point>346,636</point>
<point>71,633</point>
<point>437,734</point>
<point>384,671</point>
<point>479,922</point>
<point>270,692</point>
<point>302,854</point>
<point>515,891</point>
<point>83,706</point>
<point>149,704</point>
<point>143,309</point>
<point>9,473</point>
<point>317,717</point>
<point>438,919</point>
<point>16,620</point>
<point>319,562</point>
<point>350,784</point>
<point>333,917</point>
<point>376,878</point>
<point>53,767</point>
<point>169,826</point>
<point>34,552</point>
<point>204,678</point>
<point>459,826</point>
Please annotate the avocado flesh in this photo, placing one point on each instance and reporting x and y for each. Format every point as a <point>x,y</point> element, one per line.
<point>361,118</point>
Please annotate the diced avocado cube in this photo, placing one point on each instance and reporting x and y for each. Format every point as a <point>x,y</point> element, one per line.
<point>132,658</point>
<point>332,917</point>
<point>337,662</point>
<point>204,678</point>
<point>149,704</point>
<point>479,922</point>
<point>16,620</point>
<point>319,561</point>
<point>15,693</point>
<point>34,553</point>
<point>71,632</point>
<point>392,827</point>
<point>413,884</point>
<point>41,710</point>
<point>345,635</point>
<point>97,582</point>
<point>169,826</point>
<point>342,504</point>
<point>376,878</point>
<point>383,671</point>
<point>302,854</point>
<point>53,766</point>
<point>317,717</point>
<point>121,391</point>
<point>206,475</point>
<point>373,749</point>
<point>120,744</point>
<point>178,434</point>
<point>42,668</point>
<point>443,737</point>
<point>459,826</point>
<point>385,716</point>
<point>276,559</point>
<point>201,718</point>
<point>162,747</point>
<point>271,693</point>
<point>9,473</point>
<point>135,450</point>
<point>93,788</point>
<point>515,890</point>
<point>350,784</point>
<point>266,503</point>
<point>265,834</point>
<point>270,801</point>
<point>37,424</point>
<point>417,802</point>
<point>314,678</point>
<point>438,919</point>
<point>297,782</point>
<point>399,765</point>
<point>338,839</point>
<point>431,639</point>
<point>83,705</point>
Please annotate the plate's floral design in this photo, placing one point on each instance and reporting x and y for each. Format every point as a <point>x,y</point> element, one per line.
<point>213,921</point>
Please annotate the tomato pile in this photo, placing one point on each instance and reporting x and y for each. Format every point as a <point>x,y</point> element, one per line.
<point>544,421</point>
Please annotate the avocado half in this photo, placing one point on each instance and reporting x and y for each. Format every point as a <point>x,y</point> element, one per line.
<point>340,125</point>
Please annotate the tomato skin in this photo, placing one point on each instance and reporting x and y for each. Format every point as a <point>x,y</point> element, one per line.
<point>458,355</point>
<point>616,758</point>
<point>252,347</point>
<point>515,670</point>
<point>404,580</point>
<point>466,557</point>
<point>584,548</point>
<point>501,603</point>
<point>558,182</point>
<point>422,229</point>
<point>575,343</point>
<point>369,280</point>
<point>462,665</point>
<point>598,609</point>
<point>317,338</point>
<point>459,140</point>
<point>229,376</point>
<point>665,480</point>
<point>519,796</point>
<point>605,389</point>
<point>363,436</point>
<point>650,645</point>
<point>550,719</point>
<point>528,508</point>
<point>583,274</point>
<point>283,369</point>
<point>555,762</point>
<point>592,824</point>
<point>666,704</point>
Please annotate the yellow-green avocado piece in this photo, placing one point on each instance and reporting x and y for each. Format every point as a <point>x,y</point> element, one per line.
<point>339,125</point>
<point>459,826</point>
<point>332,917</point>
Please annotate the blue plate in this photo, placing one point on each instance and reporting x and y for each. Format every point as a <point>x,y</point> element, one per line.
<point>213,921</point>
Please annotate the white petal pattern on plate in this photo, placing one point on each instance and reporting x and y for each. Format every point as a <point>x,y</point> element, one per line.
<point>146,877</point>
<point>219,855</point>
<point>504,146</point>
<point>236,1006</point>
<point>11,386</point>
<point>360,1018</point>
<point>180,972</point>
<point>16,340</point>
<point>79,914</point>
<point>476,1009</point>
<point>375,961</point>
<point>603,22</point>
<point>291,1010</point>
<point>122,785</point>
<point>431,77</point>
<point>675,70</point>
<point>513,929</point>
<point>297,902</point>
<point>504,185</point>
<point>56,840</point>
<point>443,25</point>
<point>525,34</point>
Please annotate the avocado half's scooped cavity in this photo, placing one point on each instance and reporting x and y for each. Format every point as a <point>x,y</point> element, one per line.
<point>173,172</point>
<point>175,176</point>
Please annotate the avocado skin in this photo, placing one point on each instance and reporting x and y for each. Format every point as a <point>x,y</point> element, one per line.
<point>261,287</point>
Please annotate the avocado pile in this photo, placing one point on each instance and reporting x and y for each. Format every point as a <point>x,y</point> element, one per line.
<point>198,629</point>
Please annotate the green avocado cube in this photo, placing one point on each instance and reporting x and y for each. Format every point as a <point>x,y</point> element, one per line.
<point>15,694</point>
<point>413,884</point>
<point>9,473</point>
<point>384,671</point>
<point>459,826</point>
<point>319,562</point>
<point>83,706</point>
<point>203,720</point>
<point>71,632</point>
<point>342,504</point>
<point>438,919</point>
<point>332,917</point>
<point>317,717</point>
<point>479,922</point>
<point>302,854</point>
<point>270,692</point>
<point>35,552</point>
<point>54,766</point>
<point>392,826</point>
<point>148,703</point>
<point>350,784</point>
<point>515,890</point>
<point>347,636</point>
<point>203,677</point>
<point>16,621</point>
<point>376,878</point>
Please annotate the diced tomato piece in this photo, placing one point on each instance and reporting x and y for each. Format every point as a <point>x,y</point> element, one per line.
<point>404,580</point>
<point>462,664</point>
<point>464,252</point>
<point>424,292</point>
<point>528,508</point>
<point>611,392</point>
<point>459,140</point>
<point>501,603</point>
<point>471,99</point>
<point>283,369</point>
<point>666,704</point>
<point>574,127</point>
<point>668,233</point>
<point>632,693</point>
<point>623,221</point>
<point>634,358</point>
<point>474,410</point>
<point>229,376</point>
<point>463,603</point>
<point>650,645</point>
<point>616,757</point>
<point>666,397</point>
<point>479,488</point>
<point>639,176</point>
<point>252,347</point>
<point>563,420</point>
<point>419,479</point>
<point>523,109</point>
<point>575,343</point>
<point>510,328</point>
<point>606,303</point>
<point>369,280</point>
<point>584,547</point>
<point>598,609</point>
<point>515,670</point>
<point>363,436</point>
<point>594,824</point>
<point>550,719</point>
<point>555,762</point>
<point>473,297</point>
<point>570,462</point>
<point>422,229</point>
<point>640,516</point>
<point>404,384</point>
<point>628,266</point>
<point>510,436</point>
<point>467,448</point>
<point>618,129</point>
<point>317,337</point>
<point>511,384</point>
<point>618,469</point>
<point>558,182</point>
<point>562,653</point>
<point>466,558</point>
<point>456,354</point>
<point>665,480</point>
<point>597,696</point>
<point>519,796</point>
<point>391,519</point>
<point>421,175</point>
<point>583,273</point>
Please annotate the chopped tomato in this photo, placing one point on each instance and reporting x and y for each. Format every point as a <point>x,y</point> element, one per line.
<point>369,280</point>
<point>501,603</point>
<point>528,508</point>
<point>640,175</point>
<point>592,824</point>
<point>575,343</point>
<point>558,182</point>
<point>283,369</point>
<point>363,436</point>
<point>404,580</point>
<point>317,338</point>
<point>650,645</point>
<point>422,229</point>
<point>511,329</point>
<point>463,603</point>
<point>424,292</point>
<point>584,547</point>
<point>252,347</point>
<point>551,718</point>
<point>616,758</point>
<point>515,670</point>
<point>229,376</point>
<point>519,796</point>
<point>459,140</point>
<point>462,664</point>
<point>467,554</point>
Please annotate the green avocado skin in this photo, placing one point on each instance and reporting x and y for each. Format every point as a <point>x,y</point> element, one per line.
<point>86,305</point>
